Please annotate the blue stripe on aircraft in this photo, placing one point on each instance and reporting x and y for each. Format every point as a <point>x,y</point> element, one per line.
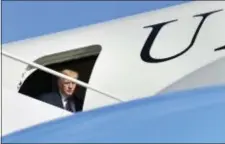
<point>188,116</point>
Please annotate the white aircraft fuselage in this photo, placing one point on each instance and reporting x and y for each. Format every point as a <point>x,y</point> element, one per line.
<point>139,56</point>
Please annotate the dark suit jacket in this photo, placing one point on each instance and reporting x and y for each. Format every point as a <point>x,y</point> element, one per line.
<point>54,98</point>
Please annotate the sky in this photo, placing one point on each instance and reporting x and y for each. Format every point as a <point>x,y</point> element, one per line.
<point>22,20</point>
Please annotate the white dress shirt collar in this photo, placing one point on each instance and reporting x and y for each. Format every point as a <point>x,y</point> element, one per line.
<point>63,99</point>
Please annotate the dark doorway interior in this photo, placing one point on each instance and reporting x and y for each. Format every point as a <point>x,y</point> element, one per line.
<point>41,82</point>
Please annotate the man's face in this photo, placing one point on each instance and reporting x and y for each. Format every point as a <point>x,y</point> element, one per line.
<point>67,87</point>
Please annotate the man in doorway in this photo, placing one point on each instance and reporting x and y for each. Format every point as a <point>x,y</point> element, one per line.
<point>64,96</point>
